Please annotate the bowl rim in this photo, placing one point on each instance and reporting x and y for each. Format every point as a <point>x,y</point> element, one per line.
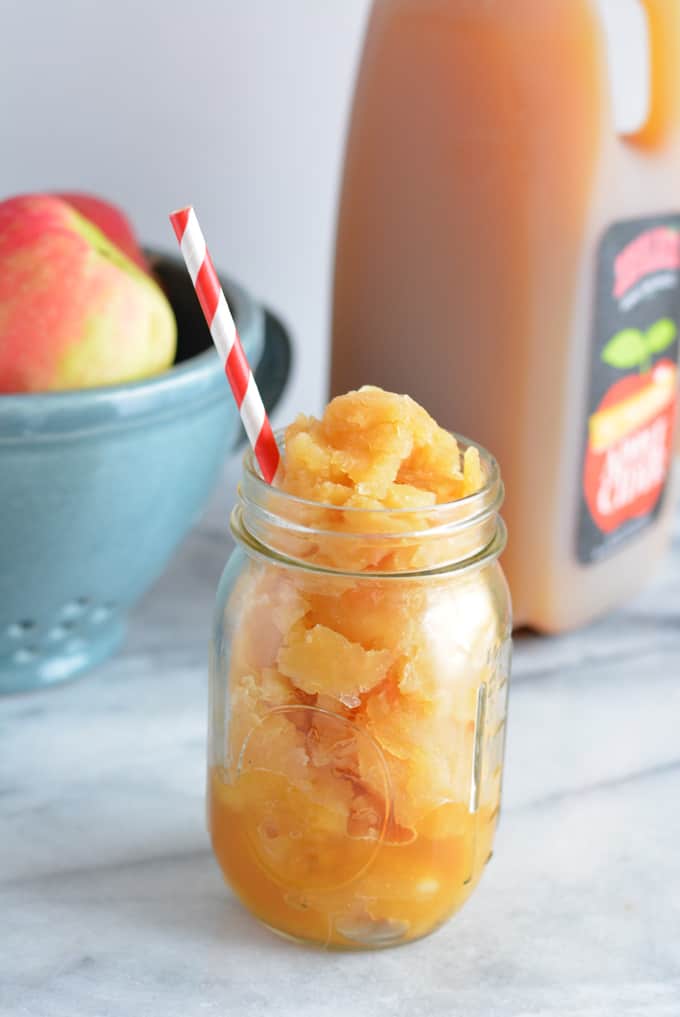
<point>200,376</point>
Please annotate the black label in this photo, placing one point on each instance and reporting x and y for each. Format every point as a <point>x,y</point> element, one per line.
<point>628,444</point>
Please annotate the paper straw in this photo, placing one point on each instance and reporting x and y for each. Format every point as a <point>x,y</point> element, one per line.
<point>226,338</point>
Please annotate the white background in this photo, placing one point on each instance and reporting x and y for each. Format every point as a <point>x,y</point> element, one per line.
<point>236,106</point>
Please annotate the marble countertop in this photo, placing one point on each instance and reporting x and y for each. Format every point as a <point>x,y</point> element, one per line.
<point>111,904</point>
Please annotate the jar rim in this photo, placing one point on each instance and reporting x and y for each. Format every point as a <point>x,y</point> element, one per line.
<point>489,553</point>
<point>266,517</point>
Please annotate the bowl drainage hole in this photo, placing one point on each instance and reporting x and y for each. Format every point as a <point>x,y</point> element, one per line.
<point>71,616</point>
<point>20,629</point>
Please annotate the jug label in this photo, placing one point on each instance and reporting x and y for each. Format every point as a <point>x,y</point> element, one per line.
<point>633,383</point>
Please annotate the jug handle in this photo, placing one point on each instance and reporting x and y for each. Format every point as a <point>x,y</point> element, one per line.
<point>663,20</point>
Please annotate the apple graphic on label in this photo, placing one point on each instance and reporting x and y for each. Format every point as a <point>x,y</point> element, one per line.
<point>630,442</point>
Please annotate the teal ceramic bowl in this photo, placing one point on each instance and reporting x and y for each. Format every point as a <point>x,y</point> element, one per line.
<point>98,487</point>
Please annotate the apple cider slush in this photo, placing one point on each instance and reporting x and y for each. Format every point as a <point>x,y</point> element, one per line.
<point>359,672</point>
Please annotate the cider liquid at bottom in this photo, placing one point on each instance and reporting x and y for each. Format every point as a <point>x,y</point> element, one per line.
<point>312,883</point>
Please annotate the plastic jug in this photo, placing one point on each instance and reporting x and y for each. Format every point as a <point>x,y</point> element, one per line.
<point>513,263</point>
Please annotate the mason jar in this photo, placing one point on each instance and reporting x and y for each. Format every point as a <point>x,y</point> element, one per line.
<point>358,688</point>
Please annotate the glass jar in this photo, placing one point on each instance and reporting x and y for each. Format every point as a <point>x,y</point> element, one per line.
<point>358,690</point>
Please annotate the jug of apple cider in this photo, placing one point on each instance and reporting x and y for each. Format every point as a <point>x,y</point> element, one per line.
<point>511,261</point>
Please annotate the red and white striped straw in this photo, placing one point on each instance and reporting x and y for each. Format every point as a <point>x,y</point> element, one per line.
<point>226,338</point>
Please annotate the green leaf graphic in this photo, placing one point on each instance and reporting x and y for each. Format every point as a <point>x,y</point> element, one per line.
<point>626,349</point>
<point>661,335</point>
